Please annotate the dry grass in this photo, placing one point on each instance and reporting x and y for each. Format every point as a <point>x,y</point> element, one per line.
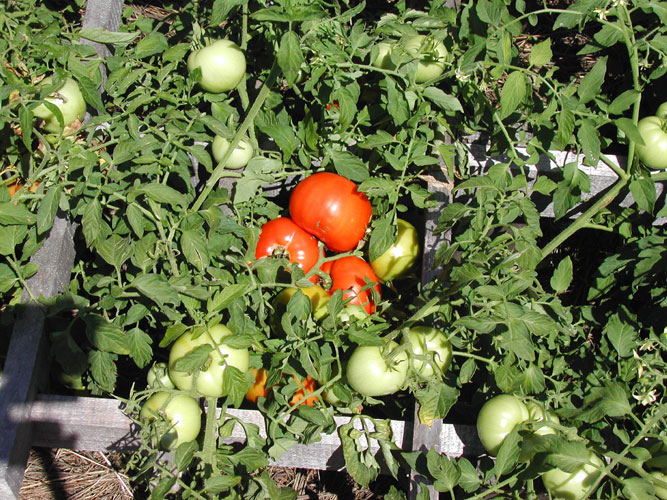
<point>71,475</point>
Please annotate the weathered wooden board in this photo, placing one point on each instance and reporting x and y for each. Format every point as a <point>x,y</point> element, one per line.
<point>88,423</point>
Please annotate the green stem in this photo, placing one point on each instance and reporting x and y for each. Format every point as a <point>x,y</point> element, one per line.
<point>210,432</point>
<point>245,125</point>
<point>464,354</point>
<point>584,218</point>
<point>17,271</point>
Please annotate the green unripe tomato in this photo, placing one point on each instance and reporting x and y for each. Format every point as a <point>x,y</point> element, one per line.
<point>659,490</point>
<point>370,375</point>
<point>432,56</point>
<point>352,311</point>
<point>539,414</point>
<point>181,415</point>
<point>158,377</point>
<point>210,377</point>
<point>222,66</point>
<point>496,419</point>
<point>318,299</point>
<point>573,485</point>
<point>239,158</point>
<point>382,58</point>
<point>425,340</point>
<point>68,99</point>
<point>653,129</point>
<point>400,256</point>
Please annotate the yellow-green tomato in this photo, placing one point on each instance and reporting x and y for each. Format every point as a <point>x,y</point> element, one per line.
<point>381,56</point>
<point>539,414</point>
<point>660,490</point>
<point>432,56</point>
<point>318,299</point>
<point>222,66</point>
<point>497,418</point>
<point>352,311</point>
<point>427,341</point>
<point>179,416</point>
<point>210,377</point>
<point>573,485</point>
<point>400,256</point>
<point>238,158</point>
<point>370,374</point>
<point>68,99</point>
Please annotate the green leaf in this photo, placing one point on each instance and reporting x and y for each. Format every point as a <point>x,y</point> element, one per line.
<point>362,470</point>
<point>139,343</point>
<point>26,120</point>
<point>184,454</point>
<point>222,8</point>
<point>382,237</point>
<point>623,102</point>
<point>589,138</point>
<point>15,214</point>
<point>105,336</point>
<point>234,385</point>
<point>435,401</point>
<point>162,194</point>
<point>224,298</point>
<point>562,277</point>
<point>469,479</point>
<point>290,57</point>
<point>513,93</point>
<point>622,335</point>
<point>154,43</point>
<point>156,288</point>
<point>48,209</point>
<point>90,93</point>
<point>221,482</point>
<point>629,129</point>
<point>446,102</point>
<point>101,35</point>
<point>591,84</point>
<point>103,369</point>
<point>195,248</point>
<point>636,488</point>
<point>397,106</point>
<point>136,219</point>
<point>508,454</point>
<point>541,53</point>
<point>91,221</point>
<point>643,192</point>
<point>443,469</point>
<point>115,250</point>
<point>350,166</point>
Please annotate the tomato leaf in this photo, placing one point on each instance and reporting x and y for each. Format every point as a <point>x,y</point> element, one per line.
<point>290,57</point>
<point>443,469</point>
<point>562,276</point>
<point>621,334</point>
<point>446,102</point>
<point>154,43</point>
<point>139,343</point>
<point>382,237</point>
<point>103,369</point>
<point>156,288</point>
<point>162,194</point>
<point>541,53</point>
<point>591,84</point>
<point>105,336</point>
<point>115,250</point>
<point>643,192</point>
<point>349,166</point>
<point>513,93</point>
<point>234,385</point>
<point>15,214</point>
<point>102,35</point>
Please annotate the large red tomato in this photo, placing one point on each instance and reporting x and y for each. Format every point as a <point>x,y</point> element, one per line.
<point>349,274</point>
<point>329,206</point>
<point>283,235</point>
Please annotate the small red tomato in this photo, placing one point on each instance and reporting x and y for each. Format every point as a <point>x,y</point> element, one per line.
<point>329,207</point>
<point>281,235</point>
<point>350,274</point>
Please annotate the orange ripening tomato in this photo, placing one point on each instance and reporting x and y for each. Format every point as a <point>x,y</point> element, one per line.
<point>258,388</point>
<point>16,185</point>
<point>283,235</point>
<point>349,274</point>
<point>306,386</point>
<point>330,207</point>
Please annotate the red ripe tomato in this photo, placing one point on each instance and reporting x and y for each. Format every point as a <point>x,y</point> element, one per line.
<point>283,235</point>
<point>329,206</point>
<point>349,274</point>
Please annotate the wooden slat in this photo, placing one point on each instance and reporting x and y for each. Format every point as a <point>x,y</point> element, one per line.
<point>99,424</point>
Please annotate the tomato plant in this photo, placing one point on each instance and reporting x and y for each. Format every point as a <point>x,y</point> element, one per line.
<point>282,237</point>
<point>176,417</point>
<point>355,277</point>
<point>69,101</point>
<point>573,485</point>
<point>653,130</point>
<point>430,351</point>
<point>377,370</point>
<point>431,54</point>
<point>400,256</point>
<point>222,65</point>
<point>496,419</point>
<point>330,207</point>
<point>209,358</point>
<point>238,158</point>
